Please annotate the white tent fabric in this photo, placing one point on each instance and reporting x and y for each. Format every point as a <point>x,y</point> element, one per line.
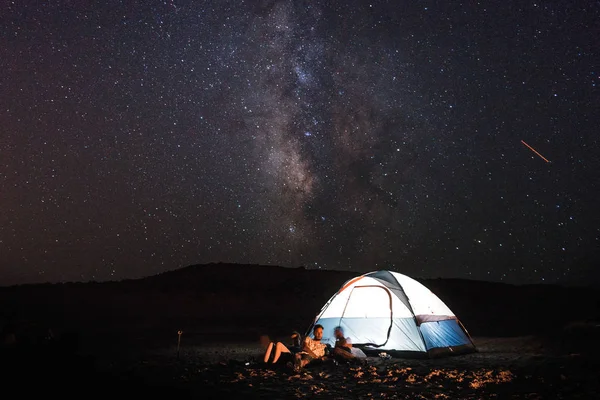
<point>388,311</point>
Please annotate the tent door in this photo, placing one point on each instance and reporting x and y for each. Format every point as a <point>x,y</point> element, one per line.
<point>369,311</point>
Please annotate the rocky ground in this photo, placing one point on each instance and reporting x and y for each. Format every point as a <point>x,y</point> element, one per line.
<point>515,368</point>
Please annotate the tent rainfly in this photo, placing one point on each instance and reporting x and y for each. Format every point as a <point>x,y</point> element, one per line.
<point>384,311</point>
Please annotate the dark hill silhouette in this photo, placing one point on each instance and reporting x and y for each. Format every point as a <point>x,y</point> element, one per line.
<point>212,301</point>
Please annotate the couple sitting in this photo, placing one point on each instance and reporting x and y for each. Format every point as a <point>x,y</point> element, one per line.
<point>311,350</point>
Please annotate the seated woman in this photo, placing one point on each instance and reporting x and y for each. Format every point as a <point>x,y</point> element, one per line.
<point>277,349</point>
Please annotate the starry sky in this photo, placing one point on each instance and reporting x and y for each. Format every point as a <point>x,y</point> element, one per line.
<point>141,137</point>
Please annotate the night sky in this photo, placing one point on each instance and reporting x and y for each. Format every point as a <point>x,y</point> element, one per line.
<point>142,137</point>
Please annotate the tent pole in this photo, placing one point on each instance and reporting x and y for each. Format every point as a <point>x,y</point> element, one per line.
<point>467,332</point>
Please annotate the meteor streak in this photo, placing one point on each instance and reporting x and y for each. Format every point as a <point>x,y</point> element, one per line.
<point>535,151</point>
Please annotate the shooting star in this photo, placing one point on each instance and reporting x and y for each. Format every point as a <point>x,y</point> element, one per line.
<point>535,151</point>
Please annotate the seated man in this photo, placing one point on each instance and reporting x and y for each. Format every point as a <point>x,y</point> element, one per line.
<point>312,349</point>
<point>281,349</point>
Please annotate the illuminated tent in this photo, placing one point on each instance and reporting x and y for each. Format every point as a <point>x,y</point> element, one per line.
<point>385,311</point>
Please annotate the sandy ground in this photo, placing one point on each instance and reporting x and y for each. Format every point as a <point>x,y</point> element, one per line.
<point>514,368</point>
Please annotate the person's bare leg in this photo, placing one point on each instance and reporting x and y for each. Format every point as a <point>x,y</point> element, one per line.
<point>279,348</point>
<point>268,352</point>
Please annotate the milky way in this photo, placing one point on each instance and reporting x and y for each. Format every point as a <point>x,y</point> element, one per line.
<point>140,138</point>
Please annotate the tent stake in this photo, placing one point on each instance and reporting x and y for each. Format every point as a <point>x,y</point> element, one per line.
<point>178,342</point>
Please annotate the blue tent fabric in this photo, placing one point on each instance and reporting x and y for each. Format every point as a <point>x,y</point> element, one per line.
<point>443,334</point>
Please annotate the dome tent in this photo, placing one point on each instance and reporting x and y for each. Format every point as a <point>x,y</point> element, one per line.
<point>384,311</point>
